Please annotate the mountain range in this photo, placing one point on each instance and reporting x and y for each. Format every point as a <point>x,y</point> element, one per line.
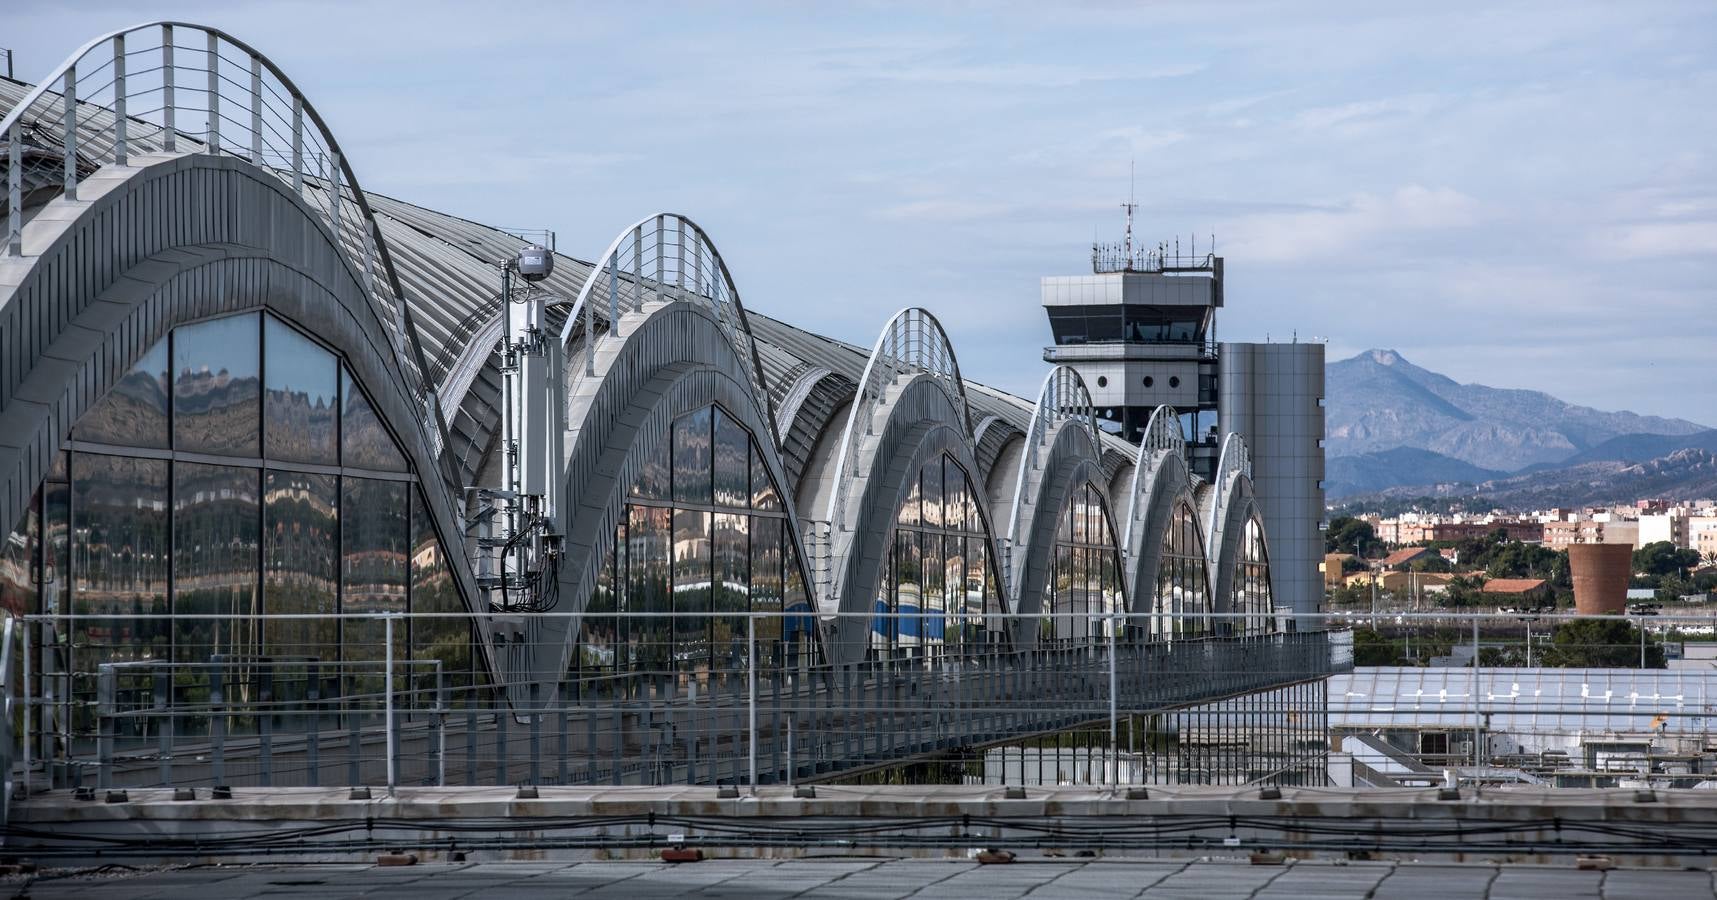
<point>1395,429</point>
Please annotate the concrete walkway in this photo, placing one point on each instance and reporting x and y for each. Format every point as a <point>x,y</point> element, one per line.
<point>876,878</point>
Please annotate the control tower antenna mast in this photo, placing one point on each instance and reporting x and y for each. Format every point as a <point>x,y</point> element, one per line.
<point>1129,206</point>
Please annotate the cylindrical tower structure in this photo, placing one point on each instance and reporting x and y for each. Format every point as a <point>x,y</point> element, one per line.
<point>1272,396</point>
<point>1600,574</point>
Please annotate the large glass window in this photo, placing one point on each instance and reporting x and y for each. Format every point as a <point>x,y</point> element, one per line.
<point>937,593</point>
<point>216,530</point>
<point>134,412</point>
<point>232,472</point>
<point>301,393</point>
<point>217,393</point>
<point>704,537</point>
<point>1182,606</point>
<point>1252,597</point>
<point>300,546</point>
<point>1083,591</point>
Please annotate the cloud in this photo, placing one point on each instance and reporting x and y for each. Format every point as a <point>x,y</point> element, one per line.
<point>1653,240</point>
<point>1347,227</point>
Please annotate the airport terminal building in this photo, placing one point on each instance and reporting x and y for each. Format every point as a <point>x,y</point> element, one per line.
<point>243,402</point>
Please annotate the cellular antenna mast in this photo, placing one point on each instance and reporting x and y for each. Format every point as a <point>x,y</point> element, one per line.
<point>1129,206</point>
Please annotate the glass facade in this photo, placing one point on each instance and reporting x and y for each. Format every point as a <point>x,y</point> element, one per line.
<point>1084,588</point>
<point>704,536</point>
<point>1252,595</point>
<point>1182,605</point>
<point>939,591</point>
<point>251,476</point>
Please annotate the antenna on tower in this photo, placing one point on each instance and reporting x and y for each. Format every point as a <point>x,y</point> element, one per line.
<point>1129,206</point>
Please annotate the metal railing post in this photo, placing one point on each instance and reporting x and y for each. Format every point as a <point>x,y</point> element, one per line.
<point>313,737</point>
<point>15,190</point>
<point>265,724</point>
<point>169,135</point>
<point>751,697</point>
<point>24,694</point>
<point>104,716</point>
<point>163,728</point>
<point>614,294</point>
<point>256,109</point>
<point>217,720</point>
<point>387,707</point>
<point>536,733</point>
<point>119,156</point>
<point>638,268</point>
<point>69,94</point>
<point>214,94</point>
<point>298,145</point>
<point>1114,709</point>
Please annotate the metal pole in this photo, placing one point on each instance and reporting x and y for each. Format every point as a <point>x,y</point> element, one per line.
<point>751,694</point>
<point>214,95</point>
<point>256,110</point>
<point>119,157</point>
<point>1114,718</point>
<point>69,94</point>
<point>24,691</point>
<point>298,145</point>
<point>169,128</point>
<point>14,190</point>
<point>1642,642</point>
<point>614,294</point>
<point>387,679</point>
<point>1478,720</point>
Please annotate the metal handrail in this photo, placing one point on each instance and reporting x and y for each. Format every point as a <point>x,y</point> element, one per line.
<point>648,261</point>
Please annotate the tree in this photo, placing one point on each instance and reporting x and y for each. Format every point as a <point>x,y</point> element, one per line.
<point>1373,649</point>
<point>1347,534</point>
<point>1662,558</point>
<point>1601,644</point>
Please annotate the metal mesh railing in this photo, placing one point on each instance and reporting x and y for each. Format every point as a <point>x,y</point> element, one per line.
<point>650,698</point>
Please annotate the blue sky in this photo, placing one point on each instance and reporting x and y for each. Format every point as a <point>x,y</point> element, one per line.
<point>1520,194</point>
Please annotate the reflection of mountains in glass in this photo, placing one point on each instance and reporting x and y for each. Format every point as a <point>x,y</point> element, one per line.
<point>215,412</point>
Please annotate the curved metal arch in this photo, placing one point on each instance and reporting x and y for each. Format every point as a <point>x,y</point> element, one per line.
<point>1162,437</point>
<point>1234,464</point>
<point>648,262</point>
<point>912,342</point>
<point>1063,396</point>
<point>105,136</point>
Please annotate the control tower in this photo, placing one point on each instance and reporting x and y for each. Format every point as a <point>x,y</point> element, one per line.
<point>1141,331</point>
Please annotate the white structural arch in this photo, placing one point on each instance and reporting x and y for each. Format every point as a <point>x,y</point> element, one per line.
<point>1062,398</point>
<point>913,342</point>
<point>122,96</point>
<point>663,258</point>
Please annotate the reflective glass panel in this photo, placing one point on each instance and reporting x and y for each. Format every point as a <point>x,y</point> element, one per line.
<point>692,578</point>
<point>649,554</point>
<point>364,442</point>
<point>732,550</point>
<point>447,636</point>
<point>121,524</point>
<point>301,516</point>
<point>374,531</point>
<point>18,562</point>
<point>133,413</point>
<point>763,495</point>
<point>300,395</point>
<point>217,391</point>
<point>216,527</point>
<point>732,462</point>
<point>692,475</point>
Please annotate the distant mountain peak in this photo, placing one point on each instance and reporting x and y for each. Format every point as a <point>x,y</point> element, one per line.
<point>1378,401</point>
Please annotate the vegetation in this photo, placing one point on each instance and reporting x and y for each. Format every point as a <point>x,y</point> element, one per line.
<point>1349,535</point>
<point>1601,644</point>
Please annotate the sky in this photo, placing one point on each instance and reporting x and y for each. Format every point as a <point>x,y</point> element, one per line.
<point>1516,194</point>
